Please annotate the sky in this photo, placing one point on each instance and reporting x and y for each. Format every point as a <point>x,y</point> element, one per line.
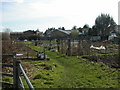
<point>22,15</point>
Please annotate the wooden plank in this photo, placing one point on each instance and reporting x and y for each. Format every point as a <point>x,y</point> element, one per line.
<point>7,65</point>
<point>7,55</point>
<point>7,83</point>
<point>9,75</point>
<point>69,47</point>
<point>28,59</point>
<point>26,78</point>
<point>15,72</point>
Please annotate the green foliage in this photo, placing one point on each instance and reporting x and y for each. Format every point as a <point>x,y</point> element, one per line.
<point>7,79</point>
<point>104,23</point>
<point>93,31</point>
<point>73,72</point>
<point>39,76</point>
<point>61,28</point>
<point>86,26</point>
<point>74,34</point>
<point>48,67</point>
<point>74,28</point>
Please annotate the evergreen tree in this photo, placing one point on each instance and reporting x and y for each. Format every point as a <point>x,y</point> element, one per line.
<point>104,23</point>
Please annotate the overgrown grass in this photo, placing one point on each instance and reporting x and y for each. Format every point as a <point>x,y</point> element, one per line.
<point>7,79</point>
<point>82,73</point>
<point>63,71</point>
<point>47,73</point>
<point>32,46</point>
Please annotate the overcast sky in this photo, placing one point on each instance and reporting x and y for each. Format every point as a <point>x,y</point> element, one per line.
<point>21,15</point>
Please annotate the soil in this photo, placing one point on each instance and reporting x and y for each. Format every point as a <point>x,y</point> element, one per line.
<point>110,60</point>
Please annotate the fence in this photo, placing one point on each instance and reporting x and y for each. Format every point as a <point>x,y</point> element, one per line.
<point>17,71</point>
<point>70,47</point>
<point>78,47</point>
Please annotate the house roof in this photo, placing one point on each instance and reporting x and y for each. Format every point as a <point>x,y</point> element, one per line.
<point>16,32</point>
<point>29,31</point>
<point>65,31</point>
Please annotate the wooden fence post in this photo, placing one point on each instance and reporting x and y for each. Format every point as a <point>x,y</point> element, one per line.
<point>44,53</point>
<point>78,46</point>
<point>15,72</point>
<point>18,74</point>
<point>62,48</point>
<point>69,47</point>
<point>58,43</point>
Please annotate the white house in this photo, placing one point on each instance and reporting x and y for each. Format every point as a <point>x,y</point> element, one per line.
<point>112,36</point>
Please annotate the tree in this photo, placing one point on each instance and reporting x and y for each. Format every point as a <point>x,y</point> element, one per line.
<point>90,32</point>
<point>37,30</point>
<point>93,31</point>
<point>48,31</point>
<point>59,28</point>
<point>63,28</point>
<point>74,28</point>
<point>79,29</point>
<point>86,26</point>
<point>104,23</point>
<point>74,34</point>
<point>85,29</point>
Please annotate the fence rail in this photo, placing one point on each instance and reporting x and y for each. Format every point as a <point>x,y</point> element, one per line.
<point>26,78</point>
<point>4,74</point>
<point>17,70</point>
<point>7,65</point>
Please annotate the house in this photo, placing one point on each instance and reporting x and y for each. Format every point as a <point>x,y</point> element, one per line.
<point>16,35</point>
<point>29,32</point>
<point>95,38</point>
<point>40,34</point>
<point>112,36</point>
<point>28,35</point>
<point>117,29</point>
<point>85,30</point>
<point>57,33</point>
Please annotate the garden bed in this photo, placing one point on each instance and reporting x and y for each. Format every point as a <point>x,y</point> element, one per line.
<point>111,60</point>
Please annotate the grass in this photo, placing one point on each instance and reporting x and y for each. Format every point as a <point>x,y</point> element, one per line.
<point>82,73</point>
<point>46,74</point>
<point>6,80</point>
<point>63,71</point>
